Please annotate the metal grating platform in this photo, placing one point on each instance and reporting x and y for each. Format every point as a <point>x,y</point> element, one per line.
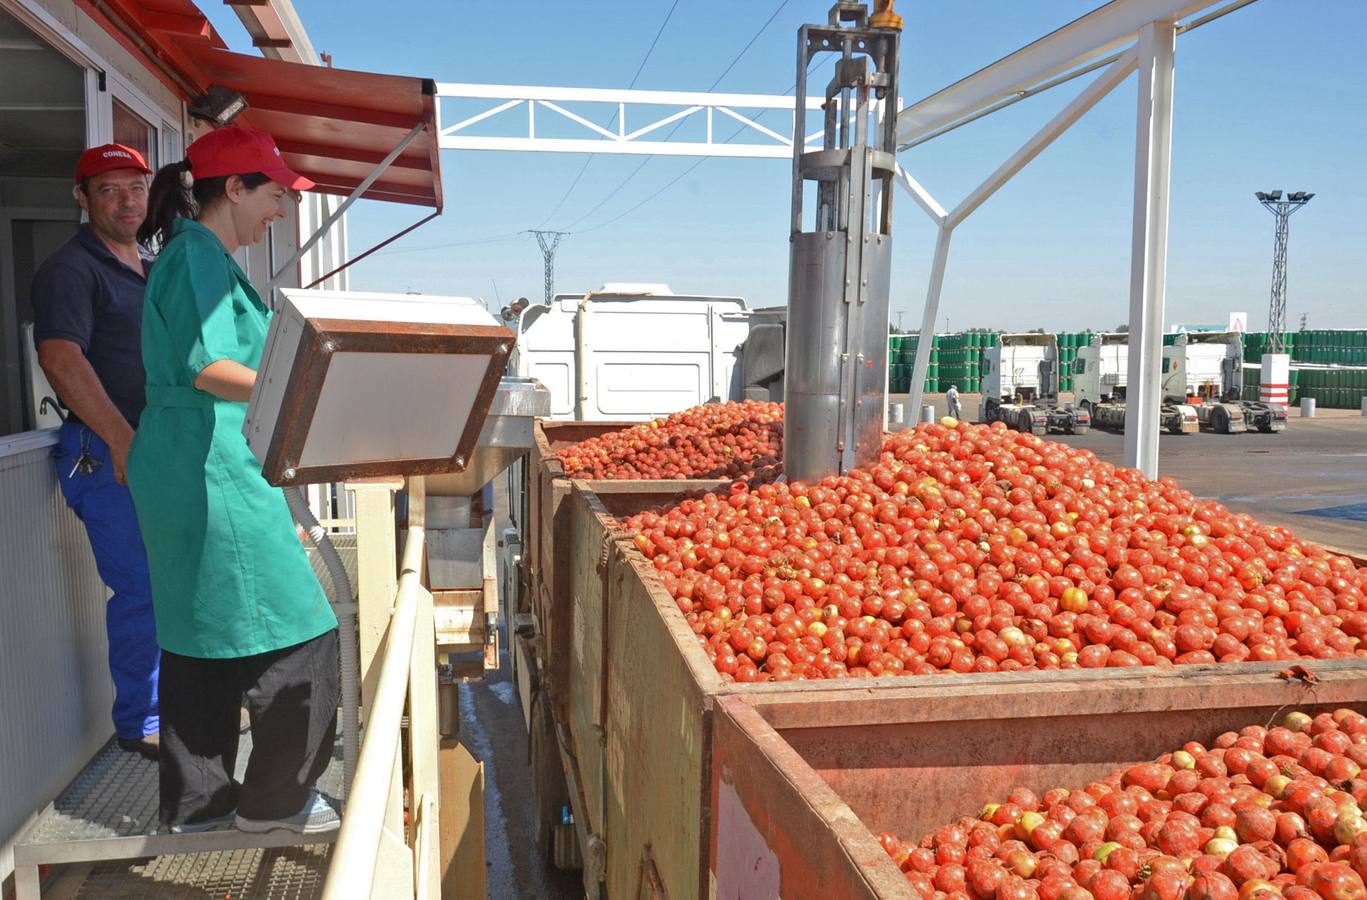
<point>109,813</point>
<point>286,873</point>
<point>108,816</point>
<point>116,796</point>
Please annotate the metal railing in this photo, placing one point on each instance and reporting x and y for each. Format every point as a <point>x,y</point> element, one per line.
<point>378,853</point>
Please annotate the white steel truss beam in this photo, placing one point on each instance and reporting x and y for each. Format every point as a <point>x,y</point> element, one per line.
<point>514,113</point>
<point>929,205</point>
<point>1109,79</point>
<point>1084,40</point>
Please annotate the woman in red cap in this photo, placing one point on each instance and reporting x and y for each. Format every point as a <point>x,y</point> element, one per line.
<point>239,611</point>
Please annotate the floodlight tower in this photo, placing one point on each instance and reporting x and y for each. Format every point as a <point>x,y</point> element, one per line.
<point>1276,310</point>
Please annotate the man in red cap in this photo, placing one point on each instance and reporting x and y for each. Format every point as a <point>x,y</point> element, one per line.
<point>87,300</point>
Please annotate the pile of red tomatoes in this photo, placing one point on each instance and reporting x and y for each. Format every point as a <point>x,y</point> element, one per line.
<point>970,548</point>
<point>715,440</point>
<point>1262,815</point>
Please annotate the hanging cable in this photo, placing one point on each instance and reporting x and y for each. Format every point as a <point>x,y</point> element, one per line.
<point>639,69</point>
<point>685,173</point>
<point>489,240</point>
<point>677,125</point>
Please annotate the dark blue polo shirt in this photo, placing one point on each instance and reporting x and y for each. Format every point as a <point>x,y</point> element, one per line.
<point>84,294</point>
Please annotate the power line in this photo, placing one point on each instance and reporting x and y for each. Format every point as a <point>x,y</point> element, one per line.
<point>651,49</point>
<point>443,246</point>
<point>613,121</point>
<point>677,125</point>
<point>682,175</point>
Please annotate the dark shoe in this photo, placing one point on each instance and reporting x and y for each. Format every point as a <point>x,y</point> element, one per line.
<point>217,822</point>
<point>148,747</point>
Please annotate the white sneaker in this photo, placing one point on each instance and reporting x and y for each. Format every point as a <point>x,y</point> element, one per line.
<point>316,817</point>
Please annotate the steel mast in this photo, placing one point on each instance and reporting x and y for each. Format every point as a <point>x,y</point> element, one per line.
<point>548,241</point>
<point>841,250</point>
<point>1276,311</point>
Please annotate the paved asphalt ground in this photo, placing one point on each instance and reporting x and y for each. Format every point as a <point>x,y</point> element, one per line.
<point>1315,465</point>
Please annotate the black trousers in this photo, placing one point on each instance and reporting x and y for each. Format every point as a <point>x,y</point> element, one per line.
<point>291,696</point>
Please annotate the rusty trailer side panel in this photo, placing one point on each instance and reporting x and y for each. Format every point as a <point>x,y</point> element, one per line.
<point>778,829</point>
<point>640,705</point>
<point>911,758</point>
<point>549,553</point>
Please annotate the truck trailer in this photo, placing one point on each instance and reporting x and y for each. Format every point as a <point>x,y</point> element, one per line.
<point>1020,387</point>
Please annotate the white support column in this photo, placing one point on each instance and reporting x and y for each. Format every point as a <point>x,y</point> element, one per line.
<point>1149,250</point>
<point>927,337</point>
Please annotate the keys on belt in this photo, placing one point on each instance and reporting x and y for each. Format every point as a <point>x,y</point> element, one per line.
<point>85,463</point>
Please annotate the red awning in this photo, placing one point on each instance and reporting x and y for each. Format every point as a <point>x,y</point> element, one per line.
<point>332,125</point>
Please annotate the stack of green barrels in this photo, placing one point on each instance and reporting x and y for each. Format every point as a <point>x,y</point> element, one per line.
<point>1068,344</point>
<point>1256,343</point>
<point>1338,388</point>
<point>1342,387</point>
<point>958,359</point>
<point>1252,389</point>
<point>961,361</point>
<point>1342,347</point>
<point>902,361</point>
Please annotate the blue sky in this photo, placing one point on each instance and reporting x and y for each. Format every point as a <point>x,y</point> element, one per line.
<point>1264,100</point>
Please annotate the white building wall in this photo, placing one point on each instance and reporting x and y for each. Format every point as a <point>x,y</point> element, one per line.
<point>55,706</point>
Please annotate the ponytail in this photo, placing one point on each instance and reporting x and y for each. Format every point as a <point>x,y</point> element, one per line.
<point>177,194</point>
<point>168,199</point>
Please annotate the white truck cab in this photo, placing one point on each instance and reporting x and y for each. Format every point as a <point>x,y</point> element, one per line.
<point>1205,370</point>
<point>632,351</point>
<point>1100,376</point>
<point>1101,370</point>
<point>1021,368</point>
<point>1203,364</point>
<point>1020,386</point>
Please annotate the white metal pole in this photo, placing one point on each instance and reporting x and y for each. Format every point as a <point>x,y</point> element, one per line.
<point>355,195</point>
<point>927,336</point>
<point>1149,249</point>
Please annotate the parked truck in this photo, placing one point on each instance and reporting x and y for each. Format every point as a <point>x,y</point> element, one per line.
<point>630,352</point>
<point>1020,387</point>
<point>1205,370</point>
<point>1100,373</point>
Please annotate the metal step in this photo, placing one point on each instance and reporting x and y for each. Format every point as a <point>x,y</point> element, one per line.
<point>109,812</point>
<point>284,873</point>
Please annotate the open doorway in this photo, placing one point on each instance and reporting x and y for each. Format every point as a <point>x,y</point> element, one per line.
<point>42,134</point>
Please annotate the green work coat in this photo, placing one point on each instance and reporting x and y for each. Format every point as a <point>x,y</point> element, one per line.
<point>229,576</point>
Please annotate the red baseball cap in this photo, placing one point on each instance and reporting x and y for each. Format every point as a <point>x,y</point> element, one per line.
<point>234,150</point>
<point>107,158</point>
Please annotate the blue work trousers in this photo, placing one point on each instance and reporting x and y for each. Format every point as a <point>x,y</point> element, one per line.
<point>106,508</point>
